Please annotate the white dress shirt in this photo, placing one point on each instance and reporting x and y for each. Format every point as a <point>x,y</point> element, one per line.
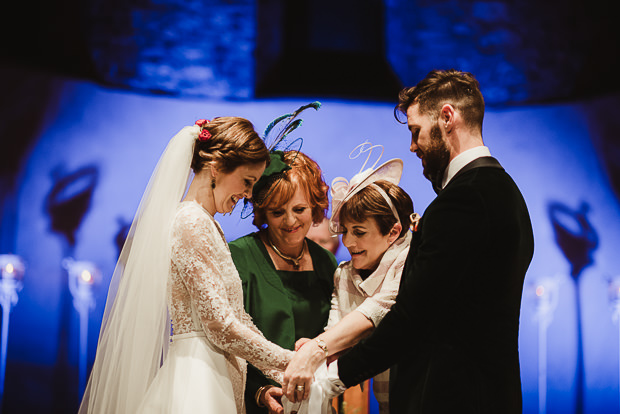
<point>462,160</point>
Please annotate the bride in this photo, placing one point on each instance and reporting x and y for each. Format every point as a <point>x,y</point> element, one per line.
<point>175,268</point>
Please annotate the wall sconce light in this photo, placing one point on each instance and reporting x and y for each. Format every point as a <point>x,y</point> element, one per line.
<point>544,292</point>
<point>11,274</point>
<point>83,276</point>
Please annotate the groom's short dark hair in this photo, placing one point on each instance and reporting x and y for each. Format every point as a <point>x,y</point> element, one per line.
<point>459,89</point>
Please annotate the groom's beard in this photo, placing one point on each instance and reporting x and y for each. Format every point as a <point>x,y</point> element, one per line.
<point>436,156</point>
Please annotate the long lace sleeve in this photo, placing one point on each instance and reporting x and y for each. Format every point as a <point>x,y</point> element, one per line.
<point>274,373</point>
<point>202,260</point>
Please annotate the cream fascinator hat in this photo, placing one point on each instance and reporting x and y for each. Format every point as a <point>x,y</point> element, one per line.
<point>342,190</point>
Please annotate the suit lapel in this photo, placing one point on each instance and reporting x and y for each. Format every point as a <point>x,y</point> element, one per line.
<point>477,163</point>
<point>416,239</point>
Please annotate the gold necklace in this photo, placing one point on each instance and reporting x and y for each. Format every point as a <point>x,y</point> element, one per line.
<point>294,260</point>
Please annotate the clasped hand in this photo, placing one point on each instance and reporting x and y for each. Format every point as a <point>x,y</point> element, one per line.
<point>300,371</point>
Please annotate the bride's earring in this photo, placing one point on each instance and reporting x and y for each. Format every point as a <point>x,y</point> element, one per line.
<point>213,183</point>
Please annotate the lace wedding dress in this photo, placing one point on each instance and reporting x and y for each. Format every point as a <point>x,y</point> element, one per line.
<point>205,368</point>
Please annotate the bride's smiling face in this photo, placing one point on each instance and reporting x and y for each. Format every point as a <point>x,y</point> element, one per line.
<point>236,185</point>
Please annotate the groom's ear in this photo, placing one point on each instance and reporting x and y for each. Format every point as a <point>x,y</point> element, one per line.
<point>447,116</point>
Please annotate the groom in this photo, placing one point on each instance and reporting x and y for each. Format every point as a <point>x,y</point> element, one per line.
<point>452,335</point>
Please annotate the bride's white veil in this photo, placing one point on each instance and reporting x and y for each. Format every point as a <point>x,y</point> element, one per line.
<point>135,331</point>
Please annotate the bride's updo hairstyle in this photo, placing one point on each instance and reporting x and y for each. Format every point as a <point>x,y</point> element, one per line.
<point>368,203</point>
<point>230,142</point>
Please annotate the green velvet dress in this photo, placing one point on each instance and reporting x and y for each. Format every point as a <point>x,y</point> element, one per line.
<point>284,305</point>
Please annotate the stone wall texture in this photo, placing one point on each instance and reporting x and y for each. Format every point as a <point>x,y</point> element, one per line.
<point>203,48</point>
<point>520,51</point>
<point>524,51</point>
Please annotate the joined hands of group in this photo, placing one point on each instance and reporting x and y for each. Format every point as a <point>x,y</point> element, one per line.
<point>310,381</point>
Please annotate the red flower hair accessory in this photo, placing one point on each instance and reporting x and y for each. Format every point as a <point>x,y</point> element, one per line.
<point>204,134</point>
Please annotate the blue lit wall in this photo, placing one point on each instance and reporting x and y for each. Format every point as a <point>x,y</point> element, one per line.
<point>552,151</point>
<point>77,155</point>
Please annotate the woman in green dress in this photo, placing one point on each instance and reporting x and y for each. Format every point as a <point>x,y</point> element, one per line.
<point>287,278</point>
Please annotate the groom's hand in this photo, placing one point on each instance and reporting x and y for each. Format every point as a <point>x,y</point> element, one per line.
<point>272,400</point>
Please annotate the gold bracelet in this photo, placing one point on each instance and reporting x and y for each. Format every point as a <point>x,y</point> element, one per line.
<point>321,343</point>
<point>260,392</point>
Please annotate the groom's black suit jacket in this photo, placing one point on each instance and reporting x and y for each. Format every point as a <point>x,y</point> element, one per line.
<point>451,338</point>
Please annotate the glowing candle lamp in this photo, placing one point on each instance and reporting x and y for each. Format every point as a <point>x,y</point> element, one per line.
<point>82,277</point>
<point>11,274</point>
<point>86,277</point>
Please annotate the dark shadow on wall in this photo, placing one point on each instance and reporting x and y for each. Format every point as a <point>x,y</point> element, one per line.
<point>67,204</point>
<point>577,239</point>
<point>574,235</point>
<point>69,200</point>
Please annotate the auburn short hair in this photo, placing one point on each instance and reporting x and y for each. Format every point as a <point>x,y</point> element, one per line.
<point>304,174</point>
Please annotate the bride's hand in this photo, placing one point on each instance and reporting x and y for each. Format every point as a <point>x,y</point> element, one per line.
<point>300,342</point>
<point>300,371</point>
